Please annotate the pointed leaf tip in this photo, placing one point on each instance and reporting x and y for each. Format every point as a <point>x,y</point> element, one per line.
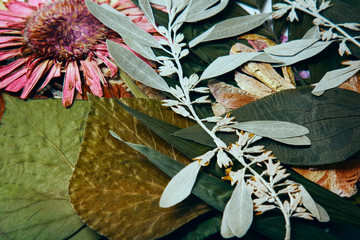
<point>180,185</point>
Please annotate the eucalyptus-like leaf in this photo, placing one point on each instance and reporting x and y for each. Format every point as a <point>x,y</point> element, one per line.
<point>135,67</point>
<point>290,48</point>
<point>311,205</point>
<point>202,9</point>
<point>334,78</point>
<point>180,185</point>
<point>312,33</point>
<point>305,54</point>
<point>159,2</point>
<point>295,141</point>
<point>230,28</point>
<point>146,9</point>
<point>121,24</point>
<point>141,49</point>
<point>226,64</point>
<point>273,129</point>
<point>239,210</point>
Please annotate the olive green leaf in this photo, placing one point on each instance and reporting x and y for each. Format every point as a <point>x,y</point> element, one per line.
<point>116,190</point>
<point>39,145</point>
<point>332,119</point>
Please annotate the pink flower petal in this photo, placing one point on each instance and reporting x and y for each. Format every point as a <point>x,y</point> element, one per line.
<point>11,41</point>
<point>37,3</point>
<point>55,71</point>
<point>123,4</point>
<point>113,68</point>
<point>32,64</point>
<point>36,74</point>
<point>93,76</point>
<point>17,85</point>
<point>21,8</point>
<point>71,77</point>
<point>13,77</point>
<point>9,54</point>
<point>76,72</point>
<point>5,70</point>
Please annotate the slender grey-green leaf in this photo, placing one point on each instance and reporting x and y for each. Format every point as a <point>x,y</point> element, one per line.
<point>239,210</point>
<point>295,141</point>
<point>334,78</point>
<point>146,8</point>
<point>121,24</point>
<point>182,16</point>
<point>230,28</point>
<point>195,15</point>
<point>273,129</point>
<point>180,185</point>
<point>141,49</point>
<point>305,54</point>
<point>159,2</point>
<point>264,57</point>
<point>226,64</point>
<point>135,67</point>
<point>313,33</point>
<point>290,48</point>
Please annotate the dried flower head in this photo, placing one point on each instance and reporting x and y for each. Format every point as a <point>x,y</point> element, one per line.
<point>57,41</point>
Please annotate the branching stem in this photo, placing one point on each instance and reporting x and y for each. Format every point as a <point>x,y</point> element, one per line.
<point>331,24</point>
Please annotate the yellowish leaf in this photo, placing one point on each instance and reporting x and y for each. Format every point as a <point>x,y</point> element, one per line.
<point>115,189</point>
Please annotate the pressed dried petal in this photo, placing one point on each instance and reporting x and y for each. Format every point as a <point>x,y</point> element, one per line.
<point>36,74</point>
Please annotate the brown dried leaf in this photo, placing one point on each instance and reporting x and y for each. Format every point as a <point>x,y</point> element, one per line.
<point>264,72</point>
<point>339,178</point>
<point>252,86</point>
<point>229,96</point>
<point>115,189</point>
<point>352,84</point>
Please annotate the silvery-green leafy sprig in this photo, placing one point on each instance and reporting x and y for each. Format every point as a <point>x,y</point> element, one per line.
<point>330,30</point>
<point>237,217</point>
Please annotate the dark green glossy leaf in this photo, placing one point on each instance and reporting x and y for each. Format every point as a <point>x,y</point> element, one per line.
<point>200,228</point>
<point>333,121</point>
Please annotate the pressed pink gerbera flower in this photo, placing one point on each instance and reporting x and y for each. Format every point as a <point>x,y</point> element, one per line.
<point>59,39</point>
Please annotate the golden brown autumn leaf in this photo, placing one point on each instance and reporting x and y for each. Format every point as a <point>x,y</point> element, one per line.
<point>115,189</point>
<point>339,178</point>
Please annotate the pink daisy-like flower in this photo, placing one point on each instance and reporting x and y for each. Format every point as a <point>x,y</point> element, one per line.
<point>58,40</point>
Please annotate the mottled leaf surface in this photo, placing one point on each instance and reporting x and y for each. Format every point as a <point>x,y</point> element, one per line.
<point>332,119</point>
<point>115,189</point>
<point>39,145</point>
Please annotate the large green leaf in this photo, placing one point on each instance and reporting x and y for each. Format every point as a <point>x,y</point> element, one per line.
<point>346,214</point>
<point>217,193</point>
<point>332,119</point>
<point>39,144</point>
<point>116,190</point>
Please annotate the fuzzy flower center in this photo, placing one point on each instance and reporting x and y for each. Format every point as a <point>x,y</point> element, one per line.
<point>64,29</point>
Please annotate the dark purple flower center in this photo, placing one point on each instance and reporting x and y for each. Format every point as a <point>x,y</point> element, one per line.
<point>64,29</point>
